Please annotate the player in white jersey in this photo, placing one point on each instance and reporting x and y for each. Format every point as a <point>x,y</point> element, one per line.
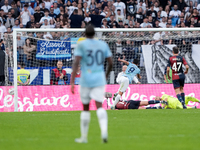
<point>131,71</point>
<point>91,54</point>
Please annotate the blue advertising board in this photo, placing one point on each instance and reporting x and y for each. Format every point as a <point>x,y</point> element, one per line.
<point>53,50</point>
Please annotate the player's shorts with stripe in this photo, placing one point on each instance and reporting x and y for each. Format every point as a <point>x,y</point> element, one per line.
<point>124,83</point>
<point>95,93</point>
<point>179,82</point>
<point>133,104</point>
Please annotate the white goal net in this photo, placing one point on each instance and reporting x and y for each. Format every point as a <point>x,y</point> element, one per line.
<point>38,63</point>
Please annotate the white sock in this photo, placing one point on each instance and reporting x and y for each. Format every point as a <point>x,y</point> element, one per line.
<point>117,98</point>
<point>85,120</point>
<point>103,121</point>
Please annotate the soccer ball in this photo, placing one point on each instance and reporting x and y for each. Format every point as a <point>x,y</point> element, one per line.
<point>11,91</point>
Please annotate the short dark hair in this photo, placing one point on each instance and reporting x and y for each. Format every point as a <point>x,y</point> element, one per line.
<point>89,31</point>
<point>175,50</point>
<point>136,61</point>
<point>76,11</point>
<point>22,64</point>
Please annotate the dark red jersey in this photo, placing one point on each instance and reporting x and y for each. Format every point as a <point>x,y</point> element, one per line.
<point>122,105</point>
<point>176,63</point>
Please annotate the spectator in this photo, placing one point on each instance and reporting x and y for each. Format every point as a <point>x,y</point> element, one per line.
<point>112,22</point>
<point>16,11</point>
<point>181,5</point>
<point>120,5</point>
<point>6,7</point>
<point>56,9</point>
<point>156,25</point>
<point>2,64</point>
<point>93,4</point>
<point>38,14</point>
<point>71,8</point>
<point>143,6</point>
<point>76,20</point>
<point>58,75</point>
<point>42,7</point>
<point>158,38</point>
<point>20,46</point>
<point>131,7</point>
<point>119,17</point>
<point>105,11</point>
<point>167,10</point>
<point>187,15</point>
<point>29,51</point>
<point>16,24</point>
<point>52,23</point>
<point>156,6</point>
<point>145,23</point>
<point>2,29</point>
<point>78,75</point>
<point>120,24</point>
<point>46,25</point>
<point>47,36</point>
<point>174,15</point>
<point>163,13</point>
<point>152,13</point>
<point>30,9</point>
<point>163,23</point>
<point>32,21</point>
<point>10,21</point>
<point>62,12</point>
<point>47,4</point>
<point>46,16</point>
<point>96,19</point>
<point>60,3</point>
<point>139,17</point>
<point>195,15</point>
<point>52,14</point>
<point>23,76</point>
<point>80,11</point>
<point>128,51</point>
<point>105,23</point>
<point>25,16</point>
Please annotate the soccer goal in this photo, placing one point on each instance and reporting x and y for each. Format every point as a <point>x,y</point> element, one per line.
<point>39,61</point>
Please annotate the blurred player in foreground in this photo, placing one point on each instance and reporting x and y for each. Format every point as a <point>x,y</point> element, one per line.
<point>131,104</point>
<point>91,54</point>
<point>174,103</point>
<point>126,78</point>
<point>178,76</point>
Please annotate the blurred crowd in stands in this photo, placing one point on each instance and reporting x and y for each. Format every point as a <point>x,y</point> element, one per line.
<point>101,13</point>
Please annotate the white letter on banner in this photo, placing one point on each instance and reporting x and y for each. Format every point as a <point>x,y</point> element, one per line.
<point>1,97</point>
<point>7,99</point>
<point>135,96</point>
<point>55,100</point>
<point>143,96</point>
<point>63,100</point>
<point>26,101</point>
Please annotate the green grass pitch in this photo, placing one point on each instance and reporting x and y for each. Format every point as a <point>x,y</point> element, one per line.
<point>128,129</point>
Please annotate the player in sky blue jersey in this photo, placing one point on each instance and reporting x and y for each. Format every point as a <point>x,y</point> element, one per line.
<point>91,54</point>
<point>126,78</point>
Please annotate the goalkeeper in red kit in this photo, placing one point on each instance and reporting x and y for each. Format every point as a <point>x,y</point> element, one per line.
<point>178,76</point>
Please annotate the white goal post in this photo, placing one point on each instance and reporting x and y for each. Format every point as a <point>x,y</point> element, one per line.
<point>15,31</point>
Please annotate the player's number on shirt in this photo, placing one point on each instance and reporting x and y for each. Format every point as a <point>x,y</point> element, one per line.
<point>131,70</point>
<point>176,66</point>
<point>98,57</point>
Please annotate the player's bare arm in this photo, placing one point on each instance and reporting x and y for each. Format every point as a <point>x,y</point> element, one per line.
<point>165,79</point>
<point>187,68</point>
<point>124,61</point>
<point>168,68</point>
<point>110,64</point>
<point>75,69</point>
<point>139,76</point>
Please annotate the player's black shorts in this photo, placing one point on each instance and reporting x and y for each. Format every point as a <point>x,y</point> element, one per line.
<point>179,82</point>
<point>134,104</point>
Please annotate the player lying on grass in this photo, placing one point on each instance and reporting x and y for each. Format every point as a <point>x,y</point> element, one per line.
<point>174,103</point>
<point>131,104</point>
